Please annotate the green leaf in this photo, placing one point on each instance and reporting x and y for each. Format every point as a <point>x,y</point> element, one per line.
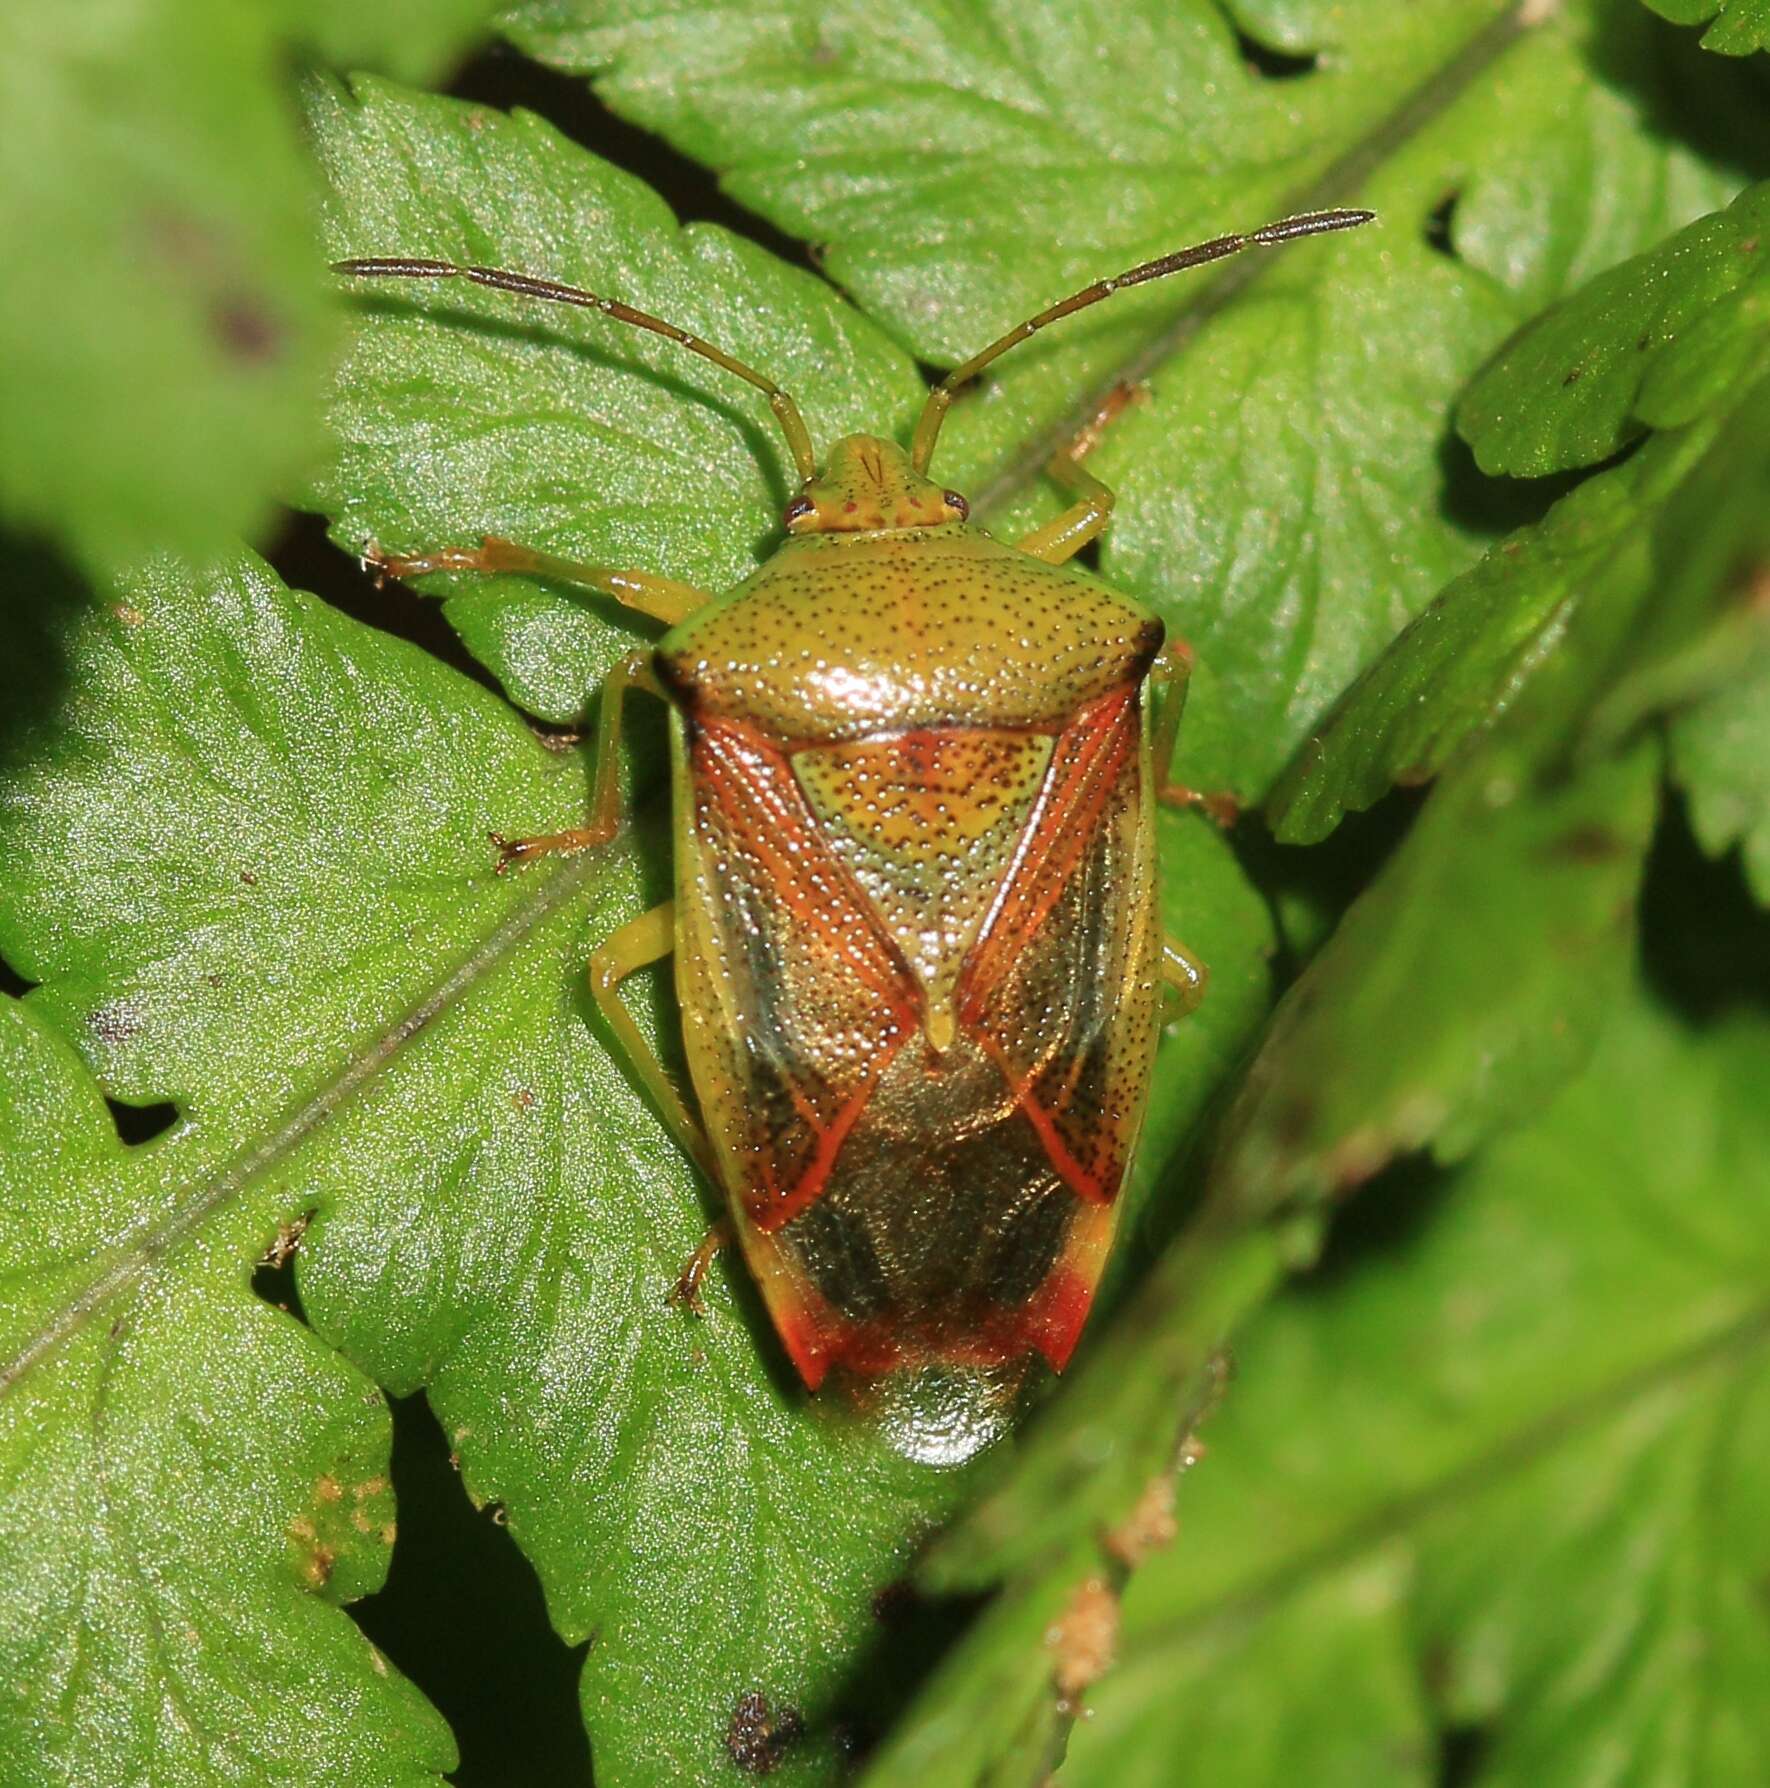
<point>460,412</point>
<point>1721,754</point>
<point>1653,343</point>
<point>1678,340</point>
<point>163,318</point>
<point>189,1482</point>
<point>1284,496</point>
<point>1740,26</point>
<point>160,275</point>
<point>1528,1508</point>
<point>248,868</point>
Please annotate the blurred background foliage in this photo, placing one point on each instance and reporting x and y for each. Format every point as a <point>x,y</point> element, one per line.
<point>1421,1438</point>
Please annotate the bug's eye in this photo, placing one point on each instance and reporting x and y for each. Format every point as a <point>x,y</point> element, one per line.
<point>953,500</point>
<point>798,509</point>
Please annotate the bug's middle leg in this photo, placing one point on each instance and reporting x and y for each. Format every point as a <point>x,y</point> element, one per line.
<point>633,672</point>
<point>1085,520</point>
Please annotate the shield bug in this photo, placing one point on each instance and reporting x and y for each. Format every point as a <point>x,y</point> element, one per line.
<point>917,948</point>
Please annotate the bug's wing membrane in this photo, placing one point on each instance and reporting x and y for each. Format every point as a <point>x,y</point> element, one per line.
<point>1061,990</point>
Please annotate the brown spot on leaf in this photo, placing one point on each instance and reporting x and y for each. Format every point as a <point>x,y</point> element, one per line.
<point>116,1022</point>
<point>248,878</point>
<point>1587,844</point>
<point>1293,1120</point>
<point>1082,1640</point>
<point>130,617</point>
<point>757,1737</point>
<point>1149,1527</point>
<point>1357,1158</point>
<point>246,331</point>
<point>523,1099</point>
<point>317,1566</point>
<point>286,1241</point>
<point>326,1488</point>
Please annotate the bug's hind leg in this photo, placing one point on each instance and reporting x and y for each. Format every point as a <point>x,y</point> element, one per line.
<point>687,1290</point>
<point>662,598</point>
<point>1173,669</point>
<point>1184,979</point>
<point>639,943</point>
<point>645,940</point>
<point>1085,520</point>
<point>633,672</point>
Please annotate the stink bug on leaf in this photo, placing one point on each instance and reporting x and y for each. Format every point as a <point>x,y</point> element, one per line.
<point>917,946</point>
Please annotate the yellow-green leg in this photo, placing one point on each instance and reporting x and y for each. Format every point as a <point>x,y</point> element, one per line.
<point>687,1290</point>
<point>1085,520</point>
<point>662,598</point>
<point>639,943</point>
<point>633,672</point>
<point>1184,979</point>
<point>1173,671</point>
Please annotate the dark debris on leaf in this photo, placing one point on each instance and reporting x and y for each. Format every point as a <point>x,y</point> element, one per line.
<point>759,1735</point>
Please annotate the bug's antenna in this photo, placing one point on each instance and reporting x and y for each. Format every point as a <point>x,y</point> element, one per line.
<point>786,412</point>
<point>1312,223</point>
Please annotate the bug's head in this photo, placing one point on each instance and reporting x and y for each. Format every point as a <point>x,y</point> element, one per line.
<point>868,484</point>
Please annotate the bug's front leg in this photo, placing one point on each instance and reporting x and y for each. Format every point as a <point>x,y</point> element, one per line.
<point>1174,670</point>
<point>1085,520</point>
<point>662,598</point>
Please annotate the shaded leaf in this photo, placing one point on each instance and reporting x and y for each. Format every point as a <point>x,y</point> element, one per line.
<point>1653,343</point>
<point>161,318</point>
<point>1679,340</point>
<point>1536,1485</point>
<point>1738,27</point>
<point>1721,753</point>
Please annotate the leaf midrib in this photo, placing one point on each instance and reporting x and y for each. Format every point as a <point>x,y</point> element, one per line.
<point>1339,181</point>
<point>1507,1456</point>
<point>155,1238</point>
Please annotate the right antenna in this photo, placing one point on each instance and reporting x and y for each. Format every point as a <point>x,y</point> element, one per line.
<point>1288,229</point>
